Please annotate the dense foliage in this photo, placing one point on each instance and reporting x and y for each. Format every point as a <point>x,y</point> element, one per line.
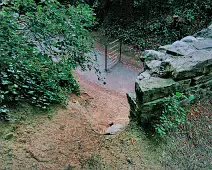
<point>41,44</point>
<point>152,23</point>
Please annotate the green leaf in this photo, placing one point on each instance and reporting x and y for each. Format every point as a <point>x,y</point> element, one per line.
<point>179,95</point>
<point>191,98</point>
<point>5,82</point>
<point>25,87</point>
<point>31,92</point>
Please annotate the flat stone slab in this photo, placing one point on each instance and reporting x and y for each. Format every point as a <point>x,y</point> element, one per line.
<point>189,39</point>
<point>209,84</point>
<point>204,44</point>
<point>154,88</point>
<point>181,51</point>
<point>164,48</point>
<point>202,79</point>
<point>152,109</point>
<point>178,48</point>
<point>197,63</point>
<point>205,33</point>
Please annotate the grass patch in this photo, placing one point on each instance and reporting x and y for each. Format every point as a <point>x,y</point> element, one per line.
<point>25,114</point>
<point>131,149</point>
<point>190,146</point>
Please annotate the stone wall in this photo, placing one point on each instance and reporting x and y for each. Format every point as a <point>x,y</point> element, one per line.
<point>185,66</point>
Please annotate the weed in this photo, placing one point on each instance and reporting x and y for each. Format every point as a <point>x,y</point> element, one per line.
<point>174,115</point>
<point>186,131</point>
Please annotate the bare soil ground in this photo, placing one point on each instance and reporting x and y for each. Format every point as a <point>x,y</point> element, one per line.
<point>68,139</point>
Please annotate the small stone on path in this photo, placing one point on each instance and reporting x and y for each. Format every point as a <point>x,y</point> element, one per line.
<point>114,129</point>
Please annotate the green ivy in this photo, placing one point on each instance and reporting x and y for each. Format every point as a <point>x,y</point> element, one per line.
<point>41,45</point>
<point>166,22</point>
<point>174,114</point>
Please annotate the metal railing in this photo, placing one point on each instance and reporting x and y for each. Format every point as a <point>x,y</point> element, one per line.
<point>112,54</point>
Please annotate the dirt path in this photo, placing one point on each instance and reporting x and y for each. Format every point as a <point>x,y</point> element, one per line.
<point>110,100</point>
<point>68,140</point>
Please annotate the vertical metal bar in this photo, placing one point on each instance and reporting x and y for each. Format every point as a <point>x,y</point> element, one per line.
<point>106,58</point>
<point>120,51</point>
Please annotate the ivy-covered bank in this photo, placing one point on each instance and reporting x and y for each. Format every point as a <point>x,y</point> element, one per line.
<point>148,24</point>
<point>41,44</point>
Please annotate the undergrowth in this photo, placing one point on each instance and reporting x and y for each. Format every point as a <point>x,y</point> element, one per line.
<point>164,24</point>
<point>190,146</point>
<point>186,133</point>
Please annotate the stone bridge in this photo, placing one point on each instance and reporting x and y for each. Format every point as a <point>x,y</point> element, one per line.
<point>185,66</point>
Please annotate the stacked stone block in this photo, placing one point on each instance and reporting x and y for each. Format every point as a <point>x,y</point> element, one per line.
<point>185,66</point>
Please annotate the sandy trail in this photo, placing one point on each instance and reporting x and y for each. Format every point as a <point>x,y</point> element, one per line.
<point>68,139</point>
<point>109,100</point>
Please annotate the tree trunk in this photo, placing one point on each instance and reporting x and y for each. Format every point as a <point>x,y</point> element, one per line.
<point>127,8</point>
<point>104,7</point>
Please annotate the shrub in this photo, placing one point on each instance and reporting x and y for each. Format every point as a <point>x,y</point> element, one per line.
<point>174,114</point>
<point>41,45</point>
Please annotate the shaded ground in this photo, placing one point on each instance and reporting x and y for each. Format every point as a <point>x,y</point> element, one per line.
<point>120,78</point>
<point>66,138</point>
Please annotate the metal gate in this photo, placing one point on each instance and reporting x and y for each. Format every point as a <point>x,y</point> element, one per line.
<point>112,54</point>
